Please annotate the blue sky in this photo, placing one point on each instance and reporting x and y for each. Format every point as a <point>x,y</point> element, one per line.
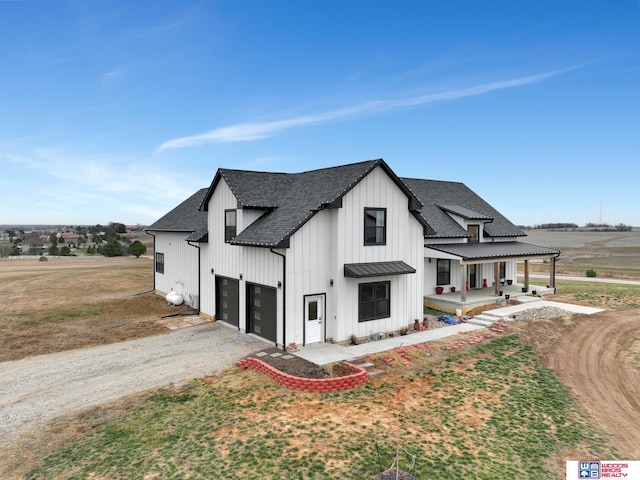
<point>116,111</point>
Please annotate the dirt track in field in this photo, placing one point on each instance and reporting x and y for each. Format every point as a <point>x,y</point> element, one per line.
<point>598,358</point>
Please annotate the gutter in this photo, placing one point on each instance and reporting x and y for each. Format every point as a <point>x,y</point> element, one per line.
<point>199,271</point>
<point>154,258</point>
<point>284,298</point>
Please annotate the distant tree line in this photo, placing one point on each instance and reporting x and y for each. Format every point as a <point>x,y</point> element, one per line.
<point>105,240</point>
<point>589,227</point>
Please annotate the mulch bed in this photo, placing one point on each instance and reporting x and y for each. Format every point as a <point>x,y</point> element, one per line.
<point>295,366</point>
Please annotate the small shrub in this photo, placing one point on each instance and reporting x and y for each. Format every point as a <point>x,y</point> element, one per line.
<point>591,273</point>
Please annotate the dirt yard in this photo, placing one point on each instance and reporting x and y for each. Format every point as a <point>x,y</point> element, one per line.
<point>598,358</point>
<point>75,302</point>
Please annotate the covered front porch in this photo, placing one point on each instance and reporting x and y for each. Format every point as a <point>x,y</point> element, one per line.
<point>451,302</point>
<point>476,274</point>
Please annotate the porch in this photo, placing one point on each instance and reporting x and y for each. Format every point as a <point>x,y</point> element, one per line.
<point>478,297</point>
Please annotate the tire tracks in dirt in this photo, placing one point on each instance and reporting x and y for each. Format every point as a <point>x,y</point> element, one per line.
<point>598,359</point>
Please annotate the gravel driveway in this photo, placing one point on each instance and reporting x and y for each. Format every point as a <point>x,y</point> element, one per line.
<point>37,389</point>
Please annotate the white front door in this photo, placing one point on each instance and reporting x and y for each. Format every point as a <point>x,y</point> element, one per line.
<point>313,318</point>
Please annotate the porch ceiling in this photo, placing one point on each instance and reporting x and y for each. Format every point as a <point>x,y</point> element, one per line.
<point>483,251</point>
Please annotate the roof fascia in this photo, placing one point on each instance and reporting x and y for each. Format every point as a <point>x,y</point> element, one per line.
<point>415,205</point>
<point>172,230</point>
<point>427,229</point>
<point>204,205</point>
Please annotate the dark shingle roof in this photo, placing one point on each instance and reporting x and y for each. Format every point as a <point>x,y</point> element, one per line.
<point>465,212</point>
<point>486,250</point>
<point>292,199</point>
<point>438,196</point>
<point>257,189</point>
<point>185,218</point>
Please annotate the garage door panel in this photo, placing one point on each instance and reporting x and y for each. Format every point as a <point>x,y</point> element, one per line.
<point>227,300</point>
<point>262,311</point>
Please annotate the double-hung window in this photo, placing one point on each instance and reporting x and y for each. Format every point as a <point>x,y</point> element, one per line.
<point>444,271</point>
<point>159,262</point>
<point>229,225</point>
<point>375,226</point>
<point>374,301</point>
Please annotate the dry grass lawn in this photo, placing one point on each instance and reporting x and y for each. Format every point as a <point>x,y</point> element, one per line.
<point>75,302</point>
<point>492,411</point>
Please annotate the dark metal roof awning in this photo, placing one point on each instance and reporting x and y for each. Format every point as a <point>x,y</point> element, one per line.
<point>375,269</point>
<point>488,251</point>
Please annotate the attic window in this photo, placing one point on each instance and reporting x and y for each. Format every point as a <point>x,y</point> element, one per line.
<point>375,226</point>
<point>229,225</point>
<point>474,233</point>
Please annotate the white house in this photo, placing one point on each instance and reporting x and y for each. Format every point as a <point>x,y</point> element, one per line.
<point>177,257</point>
<point>333,253</point>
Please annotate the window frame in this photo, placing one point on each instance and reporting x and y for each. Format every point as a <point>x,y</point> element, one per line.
<point>227,226</point>
<point>159,261</point>
<point>376,228</point>
<point>374,303</point>
<point>474,238</point>
<point>447,272</point>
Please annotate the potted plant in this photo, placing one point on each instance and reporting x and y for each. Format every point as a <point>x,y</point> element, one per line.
<point>453,289</point>
<point>509,282</point>
<point>439,290</point>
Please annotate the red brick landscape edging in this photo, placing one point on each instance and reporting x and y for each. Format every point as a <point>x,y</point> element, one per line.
<point>332,384</point>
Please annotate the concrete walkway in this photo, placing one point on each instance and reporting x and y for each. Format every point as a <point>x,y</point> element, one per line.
<point>325,353</point>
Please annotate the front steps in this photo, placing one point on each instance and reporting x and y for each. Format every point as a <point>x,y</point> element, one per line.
<point>485,319</point>
<point>368,366</point>
<point>489,317</point>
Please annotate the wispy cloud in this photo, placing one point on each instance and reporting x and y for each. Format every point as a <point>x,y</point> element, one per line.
<point>88,175</point>
<point>112,76</point>
<point>250,131</point>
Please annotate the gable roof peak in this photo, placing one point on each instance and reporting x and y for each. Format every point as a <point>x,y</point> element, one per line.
<point>291,199</point>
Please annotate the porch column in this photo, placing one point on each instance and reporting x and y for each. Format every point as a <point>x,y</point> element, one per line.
<point>552,273</point>
<point>496,278</point>
<point>463,282</point>
<point>526,275</point>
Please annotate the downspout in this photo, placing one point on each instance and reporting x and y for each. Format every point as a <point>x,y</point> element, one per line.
<point>154,258</point>
<point>199,277</point>
<point>552,279</point>
<point>284,298</point>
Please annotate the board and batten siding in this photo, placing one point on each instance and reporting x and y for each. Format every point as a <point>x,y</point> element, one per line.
<point>316,255</point>
<point>180,265</point>
<point>256,265</point>
<point>404,242</point>
<point>311,265</point>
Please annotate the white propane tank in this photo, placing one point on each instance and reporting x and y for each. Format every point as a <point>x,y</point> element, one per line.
<point>174,298</point>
